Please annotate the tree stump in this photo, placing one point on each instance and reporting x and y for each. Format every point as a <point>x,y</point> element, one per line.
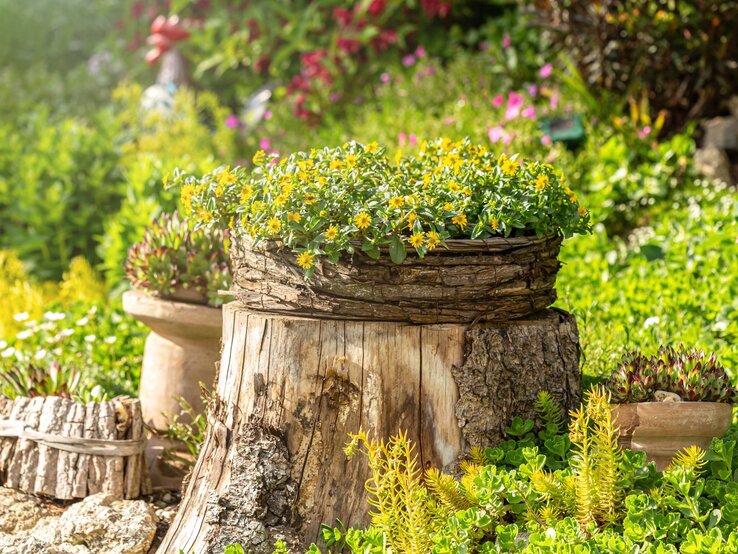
<point>290,390</point>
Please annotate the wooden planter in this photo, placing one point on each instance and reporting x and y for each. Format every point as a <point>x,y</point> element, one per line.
<point>661,429</point>
<point>180,353</point>
<point>61,449</point>
<point>469,280</point>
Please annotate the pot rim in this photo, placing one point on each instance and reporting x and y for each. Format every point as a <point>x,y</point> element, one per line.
<point>145,307</point>
<point>683,402</point>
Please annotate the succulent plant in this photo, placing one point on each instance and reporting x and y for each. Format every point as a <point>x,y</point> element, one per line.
<point>175,260</point>
<point>688,372</point>
<point>32,381</point>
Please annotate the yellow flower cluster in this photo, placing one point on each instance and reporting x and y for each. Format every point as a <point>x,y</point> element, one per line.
<point>332,201</point>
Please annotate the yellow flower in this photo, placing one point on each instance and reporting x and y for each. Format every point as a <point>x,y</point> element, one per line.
<point>188,191</point>
<point>294,216</point>
<point>306,260</point>
<point>310,198</point>
<point>362,220</point>
<point>350,161</point>
<point>259,157</point>
<point>411,218</point>
<point>165,179</point>
<point>257,207</point>
<point>417,239</point>
<point>205,217</point>
<point>509,167</point>
<point>449,207</point>
<point>396,202</point>
<point>494,223</point>
<point>582,211</point>
<point>331,232</point>
<point>371,147</point>
<point>281,200</point>
<point>336,164</point>
<point>433,240</point>
<point>467,191</point>
<point>225,177</point>
<point>454,186</point>
<point>459,220</point>
<point>218,191</point>
<point>274,225</point>
<point>571,195</point>
<point>541,182</point>
<point>321,180</point>
<point>246,193</point>
<point>398,157</point>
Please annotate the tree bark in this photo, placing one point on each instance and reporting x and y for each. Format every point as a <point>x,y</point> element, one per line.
<point>290,390</point>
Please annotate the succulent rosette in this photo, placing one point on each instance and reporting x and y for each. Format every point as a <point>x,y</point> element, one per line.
<point>175,258</point>
<point>691,373</point>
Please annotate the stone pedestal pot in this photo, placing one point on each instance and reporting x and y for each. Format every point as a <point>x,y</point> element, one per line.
<point>180,353</point>
<point>661,429</point>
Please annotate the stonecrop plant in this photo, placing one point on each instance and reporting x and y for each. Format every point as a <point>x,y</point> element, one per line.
<point>174,258</point>
<point>334,201</point>
<point>688,372</point>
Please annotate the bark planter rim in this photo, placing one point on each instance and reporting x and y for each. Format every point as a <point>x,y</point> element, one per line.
<point>180,352</point>
<point>467,281</point>
<point>661,429</point>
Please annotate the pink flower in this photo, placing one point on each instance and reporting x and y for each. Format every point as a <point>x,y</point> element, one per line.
<point>498,100</point>
<point>554,102</point>
<point>533,90</point>
<point>385,77</point>
<point>232,121</point>
<point>267,115</point>
<point>546,71</point>
<point>546,140</point>
<point>508,138</point>
<point>420,52</point>
<point>376,7</point>
<point>408,60</point>
<point>512,112</point>
<point>412,139</point>
<point>348,45</point>
<point>529,112</point>
<point>275,158</point>
<point>265,144</point>
<point>515,100</point>
<point>449,121</point>
<point>342,15</point>
<point>506,41</point>
<point>643,133</point>
<point>497,134</point>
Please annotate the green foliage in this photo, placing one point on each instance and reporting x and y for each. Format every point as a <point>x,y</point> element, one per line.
<point>672,282</point>
<point>508,500</point>
<point>690,373</point>
<point>31,381</point>
<point>187,428</point>
<point>176,261</point>
<point>104,343</point>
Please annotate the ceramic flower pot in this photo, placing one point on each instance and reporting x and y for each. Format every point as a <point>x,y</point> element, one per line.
<point>180,353</point>
<point>661,429</point>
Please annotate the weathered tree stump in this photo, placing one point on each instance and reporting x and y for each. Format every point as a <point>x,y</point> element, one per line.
<point>290,389</point>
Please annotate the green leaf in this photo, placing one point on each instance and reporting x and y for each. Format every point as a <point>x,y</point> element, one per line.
<point>397,250</point>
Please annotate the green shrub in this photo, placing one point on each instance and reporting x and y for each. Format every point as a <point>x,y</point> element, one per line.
<point>674,282</point>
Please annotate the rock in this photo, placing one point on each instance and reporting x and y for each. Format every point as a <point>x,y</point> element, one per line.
<point>721,132</point>
<point>20,512</point>
<point>98,524</point>
<point>664,396</point>
<point>714,164</point>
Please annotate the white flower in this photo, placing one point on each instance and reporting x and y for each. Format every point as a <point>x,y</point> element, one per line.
<point>81,322</point>
<point>110,340</point>
<point>90,338</point>
<point>21,316</point>
<point>651,321</point>
<point>66,332</point>
<point>8,352</point>
<point>54,316</point>
<point>57,351</point>
<point>23,335</point>
<point>40,354</point>
<point>3,344</point>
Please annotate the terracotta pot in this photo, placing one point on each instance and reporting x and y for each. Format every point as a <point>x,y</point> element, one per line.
<point>180,353</point>
<point>661,429</point>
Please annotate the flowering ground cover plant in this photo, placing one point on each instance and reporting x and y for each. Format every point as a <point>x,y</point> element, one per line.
<point>332,201</point>
<point>688,372</point>
<point>174,256</point>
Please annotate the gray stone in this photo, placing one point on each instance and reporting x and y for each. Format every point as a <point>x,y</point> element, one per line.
<point>20,512</point>
<point>721,132</point>
<point>99,524</point>
<point>733,105</point>
<point>666,396</point>
<point>713,163</point>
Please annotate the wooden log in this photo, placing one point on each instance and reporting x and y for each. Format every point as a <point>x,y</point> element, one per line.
<point>39,458</point>
<point>291,389</point>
